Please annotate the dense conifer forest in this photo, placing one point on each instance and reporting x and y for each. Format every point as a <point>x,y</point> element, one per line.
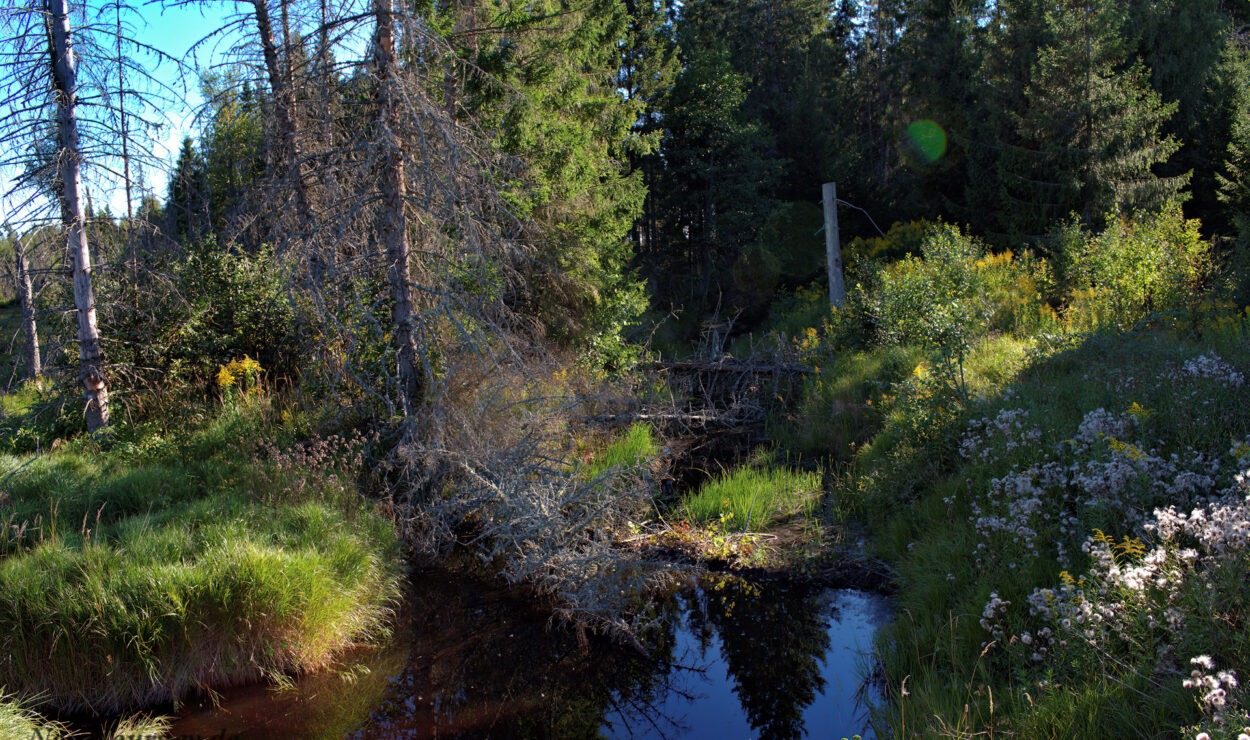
<point>537,294</point>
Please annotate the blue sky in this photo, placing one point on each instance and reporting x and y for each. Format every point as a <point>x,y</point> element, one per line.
<point>173,31</point>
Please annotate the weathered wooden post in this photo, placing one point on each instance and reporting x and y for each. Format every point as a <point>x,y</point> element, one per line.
<point>833,246</point>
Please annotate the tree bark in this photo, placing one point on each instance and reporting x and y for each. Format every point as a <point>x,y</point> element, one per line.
<point>26,296</point>
<point>393,219</point>
<point>65,79</point>
<point>288,154</point>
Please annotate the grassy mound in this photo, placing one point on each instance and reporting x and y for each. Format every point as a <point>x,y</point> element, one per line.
<point>133,576</point>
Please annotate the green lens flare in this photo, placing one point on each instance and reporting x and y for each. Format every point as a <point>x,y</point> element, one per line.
<point>929,140</point>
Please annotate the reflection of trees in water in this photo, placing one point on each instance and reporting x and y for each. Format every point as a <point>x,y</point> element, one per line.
<point>773,638</point>
<point>484,666</point>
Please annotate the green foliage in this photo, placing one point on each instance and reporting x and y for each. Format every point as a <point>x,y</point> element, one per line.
<point>1156,264</point>
<point>904,239</point>
<point>218,304</point>
<point>939,302</point>
<point>636,447</point>
<point>750,499</point>
<point>556,106</point>
<point>841,405</point>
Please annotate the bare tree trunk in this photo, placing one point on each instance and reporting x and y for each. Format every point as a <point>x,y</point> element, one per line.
<point>65,77</point>
<point>393,226</point>
<point>26,295</point>
<point>121,107</point>
<point>288,154</point>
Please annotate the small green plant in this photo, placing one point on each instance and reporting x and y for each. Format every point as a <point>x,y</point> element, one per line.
<point>633,448</point>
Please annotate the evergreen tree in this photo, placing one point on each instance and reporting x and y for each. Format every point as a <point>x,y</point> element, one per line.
<point>1182,42</point>
<point>1234,181</point>
<point>233,158</point>
<point>555,67</point>
<point>187,207</point>
<point>648,69</point>
<point>1090,132</point>
<point>940,58</point>
<point>718,175</point>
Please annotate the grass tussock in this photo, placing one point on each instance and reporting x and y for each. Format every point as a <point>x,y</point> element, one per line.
<point>753,499</point>
<point>635,447</point>
<point>135,575</point>
<point>17,721</point>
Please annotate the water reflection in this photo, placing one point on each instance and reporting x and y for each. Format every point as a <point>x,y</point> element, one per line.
<point>730,659</point>
<point>779,660</point>
<point>773,641</point>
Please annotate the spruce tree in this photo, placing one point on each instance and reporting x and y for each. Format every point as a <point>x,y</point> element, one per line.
<point>552,94</point>
<point>1234,181</point>
<point>1090,134</point>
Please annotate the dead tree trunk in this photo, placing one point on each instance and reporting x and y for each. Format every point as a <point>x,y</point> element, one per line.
<point>65,78</point>
<point>393,218</point>
<point>26,296</point>
<point>288,154</point>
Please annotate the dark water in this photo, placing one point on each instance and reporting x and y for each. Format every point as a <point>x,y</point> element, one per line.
<point>729,659</point>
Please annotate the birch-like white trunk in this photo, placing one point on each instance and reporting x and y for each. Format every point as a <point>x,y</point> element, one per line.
<point>65,78</point>
<point>26,297</point>
<point>393,219</point>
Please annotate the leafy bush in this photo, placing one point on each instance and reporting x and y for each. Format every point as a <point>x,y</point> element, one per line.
<point>199,309</point>
<point>1134,269</point>
<point>904,239</point>
<point>940,302</point>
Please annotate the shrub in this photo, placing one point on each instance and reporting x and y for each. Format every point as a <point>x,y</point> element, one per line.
<point>939,302</point>
<point>1157,264</point>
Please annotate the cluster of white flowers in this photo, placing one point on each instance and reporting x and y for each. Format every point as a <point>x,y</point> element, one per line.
<point>1101,423</point>
<point>1214,687</point>
<point>1209,366</point>
<point>1221,528</point>
<point>987,438</point>
<point>1045,501</point>
<point>992,617</point>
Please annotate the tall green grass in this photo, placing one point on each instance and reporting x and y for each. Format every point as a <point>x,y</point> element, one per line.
<point>134,576</point>
<point>17,721</point>
<point>752,499</point>
<point>631,449</point>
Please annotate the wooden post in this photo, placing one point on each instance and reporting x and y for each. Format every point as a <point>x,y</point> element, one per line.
<point>833,246</point>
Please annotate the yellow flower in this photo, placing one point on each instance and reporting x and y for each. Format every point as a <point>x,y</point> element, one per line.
<point>1131,451</point>
<point>225,378</point>
<point>1138,411</point>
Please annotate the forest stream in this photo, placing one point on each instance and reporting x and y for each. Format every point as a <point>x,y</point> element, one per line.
<point>728,657</point>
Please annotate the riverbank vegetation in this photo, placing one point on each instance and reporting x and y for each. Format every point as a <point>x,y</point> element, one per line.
<point>1059,482</point>
<point>544,286</point>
